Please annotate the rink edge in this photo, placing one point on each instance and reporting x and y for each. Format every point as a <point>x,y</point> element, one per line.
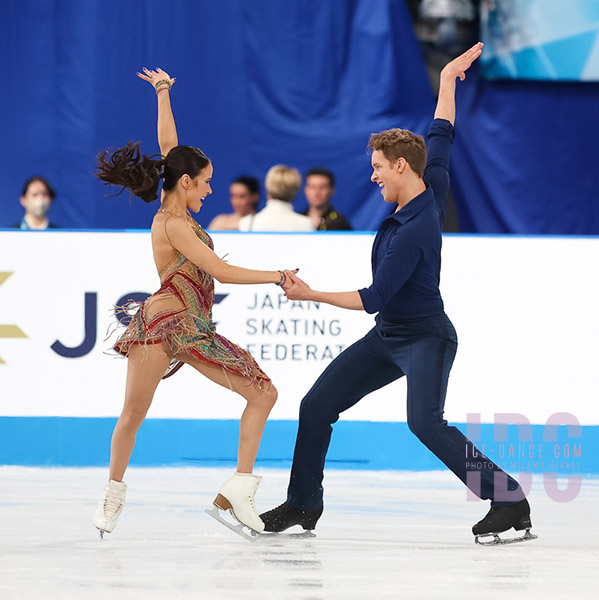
<point>82,442</point>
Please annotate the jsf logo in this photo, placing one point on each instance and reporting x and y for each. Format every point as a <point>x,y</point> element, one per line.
<point>90,321</point>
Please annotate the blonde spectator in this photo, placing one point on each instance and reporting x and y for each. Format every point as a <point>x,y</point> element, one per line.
<point>282,184</point>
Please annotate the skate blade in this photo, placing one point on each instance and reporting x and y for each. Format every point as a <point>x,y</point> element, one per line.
<point>238,528</point>
<point>497,541</point>
<point>304,535</point>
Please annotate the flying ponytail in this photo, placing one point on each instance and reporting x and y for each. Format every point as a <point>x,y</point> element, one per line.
<point>141,174</point>
<point>129,168</point>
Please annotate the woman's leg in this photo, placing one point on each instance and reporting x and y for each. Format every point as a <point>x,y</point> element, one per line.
<point>146,367</point>
<point>260,398</point>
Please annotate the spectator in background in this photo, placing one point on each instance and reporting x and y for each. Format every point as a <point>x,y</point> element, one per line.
<point>244,195</point>
<point>319,189</point>
<point>282,184</point>
<point>36,198</point>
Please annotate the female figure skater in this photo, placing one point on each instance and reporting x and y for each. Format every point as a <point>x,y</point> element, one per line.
<point>174,325</point>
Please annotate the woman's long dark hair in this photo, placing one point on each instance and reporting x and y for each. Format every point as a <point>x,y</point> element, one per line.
<point>141,174</point>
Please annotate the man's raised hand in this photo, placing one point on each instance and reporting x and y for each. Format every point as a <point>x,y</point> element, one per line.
<point>458,66</point>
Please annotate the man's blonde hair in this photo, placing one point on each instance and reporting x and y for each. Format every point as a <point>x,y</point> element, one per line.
<point>401,143</point>
<point>283,182</point>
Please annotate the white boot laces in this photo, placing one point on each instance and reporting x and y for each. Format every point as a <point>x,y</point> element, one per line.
<point>252,494</point>
<point>112,505</point>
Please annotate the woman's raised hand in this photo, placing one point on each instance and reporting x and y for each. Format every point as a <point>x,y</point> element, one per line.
<point>156,76</point>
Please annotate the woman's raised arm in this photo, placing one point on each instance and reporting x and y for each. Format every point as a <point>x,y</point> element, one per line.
<point>167,131</point>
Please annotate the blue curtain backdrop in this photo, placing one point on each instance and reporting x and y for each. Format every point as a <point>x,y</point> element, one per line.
<point>266,81</point>
<point>525,157</point>
<point>259,82</point>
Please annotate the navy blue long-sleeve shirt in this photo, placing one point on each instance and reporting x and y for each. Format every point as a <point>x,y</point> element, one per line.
<point>406,254</point>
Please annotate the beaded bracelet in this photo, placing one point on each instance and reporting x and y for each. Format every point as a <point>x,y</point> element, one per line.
<point>164,87</point>
<point>283,279</point>
<point>164,81</point>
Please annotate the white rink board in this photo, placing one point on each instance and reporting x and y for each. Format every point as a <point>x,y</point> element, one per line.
<point>524,308</point>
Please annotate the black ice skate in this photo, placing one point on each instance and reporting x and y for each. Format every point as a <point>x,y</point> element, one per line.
<point>285,516</point>
<point>501,519</point>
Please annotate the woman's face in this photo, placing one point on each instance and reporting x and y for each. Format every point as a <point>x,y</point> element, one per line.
<point>242,200</point>
<point>37,199</point>
<point>199,189</point>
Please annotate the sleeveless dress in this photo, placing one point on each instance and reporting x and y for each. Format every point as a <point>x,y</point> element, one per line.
<point>179,314</point>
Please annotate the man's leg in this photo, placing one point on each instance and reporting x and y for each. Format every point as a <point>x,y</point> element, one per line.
<point>427,364</point>
<point>360,369</point>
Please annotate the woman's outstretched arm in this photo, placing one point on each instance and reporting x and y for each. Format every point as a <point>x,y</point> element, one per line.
<point>183,239</point>
<point>167,130</point>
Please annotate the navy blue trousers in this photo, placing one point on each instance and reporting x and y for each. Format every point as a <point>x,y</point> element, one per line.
<point>422,349</point>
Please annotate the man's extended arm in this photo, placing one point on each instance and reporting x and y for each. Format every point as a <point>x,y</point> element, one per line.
<point>452,70</point>
<point>298,289</point>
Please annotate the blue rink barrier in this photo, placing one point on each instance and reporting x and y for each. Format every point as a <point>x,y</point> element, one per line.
<point>84,442</point>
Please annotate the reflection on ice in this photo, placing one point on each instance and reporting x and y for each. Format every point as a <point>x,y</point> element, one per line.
<point>383,535</point>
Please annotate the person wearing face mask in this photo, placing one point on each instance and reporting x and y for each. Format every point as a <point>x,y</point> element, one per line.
<point>36,198</point>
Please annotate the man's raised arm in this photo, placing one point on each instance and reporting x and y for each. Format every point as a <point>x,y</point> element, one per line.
<point>452,70</point>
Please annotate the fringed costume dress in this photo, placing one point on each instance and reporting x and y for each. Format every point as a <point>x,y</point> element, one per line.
<point>179,315</point>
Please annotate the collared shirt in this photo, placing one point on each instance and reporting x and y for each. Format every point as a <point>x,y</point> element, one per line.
<point>26,227</point>
<point>276,216</point>
<point>332,221</point>
<point>406,254</point>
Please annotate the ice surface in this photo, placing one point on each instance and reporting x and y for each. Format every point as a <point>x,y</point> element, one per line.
<point>383,535</point>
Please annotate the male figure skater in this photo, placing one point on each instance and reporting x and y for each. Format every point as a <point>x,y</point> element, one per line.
<point>412,336</point>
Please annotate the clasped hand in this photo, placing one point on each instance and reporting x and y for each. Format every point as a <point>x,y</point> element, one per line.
<point>295,288</point>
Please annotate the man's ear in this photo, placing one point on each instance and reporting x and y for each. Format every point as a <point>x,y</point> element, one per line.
<point>400,164</point>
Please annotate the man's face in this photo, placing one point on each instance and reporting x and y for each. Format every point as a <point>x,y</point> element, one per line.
<point>242,200</point>
<point>318,190</point>
<point>387,175</point>
<point>36,200</point>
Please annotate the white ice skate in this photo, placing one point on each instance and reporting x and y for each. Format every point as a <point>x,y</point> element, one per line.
<point>110,507</point>
<point>237,496</point>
